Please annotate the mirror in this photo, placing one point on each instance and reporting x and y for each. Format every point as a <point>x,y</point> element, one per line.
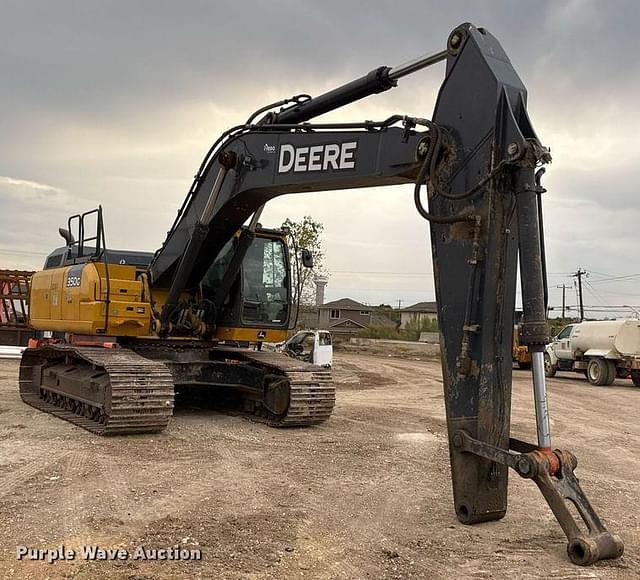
<point>307,258</point>
<point>67,235</point>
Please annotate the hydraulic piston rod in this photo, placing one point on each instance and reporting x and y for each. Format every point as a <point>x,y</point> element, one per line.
<point>540,397</point>
<point>534,332</point>
<point>377,81</point>
<point>416,64</point>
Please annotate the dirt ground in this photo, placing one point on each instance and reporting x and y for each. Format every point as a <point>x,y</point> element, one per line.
<point>367,495</point>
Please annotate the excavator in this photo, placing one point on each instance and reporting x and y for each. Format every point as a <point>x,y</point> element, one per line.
<point>126,329</point>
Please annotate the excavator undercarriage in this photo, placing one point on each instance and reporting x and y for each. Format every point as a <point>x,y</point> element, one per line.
<point>121,390</point>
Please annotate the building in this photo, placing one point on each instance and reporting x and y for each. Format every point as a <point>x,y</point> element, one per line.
<point>418,313</point>
<point>344,316</point>
<point>348,317</point>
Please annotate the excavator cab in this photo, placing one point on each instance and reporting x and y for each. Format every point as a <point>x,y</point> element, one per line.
<point>260,296</point>
<point>257,307</point>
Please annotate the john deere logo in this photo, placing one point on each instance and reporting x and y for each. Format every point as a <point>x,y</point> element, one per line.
<point>262,333</point>
<point>333,156</point>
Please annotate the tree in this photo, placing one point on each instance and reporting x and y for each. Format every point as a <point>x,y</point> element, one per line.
<point>305,234</point>
<point>415,327</point>
<point>557,324</point>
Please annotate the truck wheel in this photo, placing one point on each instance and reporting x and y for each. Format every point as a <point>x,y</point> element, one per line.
<point>635,377</point>
<point>599,372</point>
<point>612,372</point>
<point>549,369</point>
<point>524,365</point>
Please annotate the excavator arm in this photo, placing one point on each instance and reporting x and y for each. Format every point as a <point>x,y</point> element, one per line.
<point>481,161</point>
<point>269,161</point>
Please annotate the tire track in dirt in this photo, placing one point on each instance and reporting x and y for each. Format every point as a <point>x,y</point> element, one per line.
<point>334,544</point>
<point>199,484</point>
<point>113,479</point>
<point>34,466</point>
<point>73,498</point>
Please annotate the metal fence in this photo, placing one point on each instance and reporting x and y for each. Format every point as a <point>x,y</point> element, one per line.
<point>14,307</point>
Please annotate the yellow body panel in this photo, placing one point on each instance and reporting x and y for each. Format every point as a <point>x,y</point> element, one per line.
<point>250,334</point>
<point>73,299</point>
<point>520,352</point>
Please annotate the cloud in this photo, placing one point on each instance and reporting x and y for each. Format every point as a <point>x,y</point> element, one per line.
<point>117,103</point>
<point>23,186</point>
<point>29,203</point>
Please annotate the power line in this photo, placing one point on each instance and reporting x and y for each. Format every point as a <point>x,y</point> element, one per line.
<point>614,307</point>
<point>596,293</point>
<point>616,293</point>
<point>615,278</point>
<point>602,273</point>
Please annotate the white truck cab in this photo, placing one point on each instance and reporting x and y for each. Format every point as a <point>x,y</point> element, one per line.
<point>314,346</point>
<point>561,344</point>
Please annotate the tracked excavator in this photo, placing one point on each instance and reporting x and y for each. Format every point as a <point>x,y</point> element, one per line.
<point>129,328</point>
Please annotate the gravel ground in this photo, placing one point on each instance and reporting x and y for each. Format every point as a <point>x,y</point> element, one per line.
<point>366,495</point>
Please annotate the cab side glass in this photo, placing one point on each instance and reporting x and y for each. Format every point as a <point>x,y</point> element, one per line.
<point>564,333</point>
<point>325,339</point>
<point>307,258</point>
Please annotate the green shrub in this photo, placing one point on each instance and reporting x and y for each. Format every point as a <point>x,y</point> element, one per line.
<point>388,332</point>
<point>411,332</point>
<point>557,324</point>
<point>416,326</point>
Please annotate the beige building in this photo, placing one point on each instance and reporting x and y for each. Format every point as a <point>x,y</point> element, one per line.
<point>418,312</point>
<point>348,317</point>
<point>344,316</point>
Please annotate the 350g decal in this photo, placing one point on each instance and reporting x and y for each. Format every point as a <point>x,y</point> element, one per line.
<point>73,281</point>
<point>74,277</point>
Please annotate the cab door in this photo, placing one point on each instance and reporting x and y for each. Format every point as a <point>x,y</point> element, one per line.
<point>562,344</point>
<point>323,349</point>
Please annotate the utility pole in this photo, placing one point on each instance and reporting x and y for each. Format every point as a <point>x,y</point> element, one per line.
<point>579,274</point>
<point>564,292</point>
<point>399,303</point>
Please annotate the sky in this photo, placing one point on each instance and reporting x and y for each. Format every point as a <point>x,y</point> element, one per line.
<point>115,103</point>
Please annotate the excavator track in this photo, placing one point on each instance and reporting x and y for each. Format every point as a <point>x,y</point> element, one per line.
<point>120,391</point>
<point>289,393</point>
<point>312,394</point>
<point>106,391</point>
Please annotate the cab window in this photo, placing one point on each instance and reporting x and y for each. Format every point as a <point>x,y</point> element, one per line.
<point>265,286</point>
<point>566,331</point>
<point>324,339</point>
<point>308,342</point>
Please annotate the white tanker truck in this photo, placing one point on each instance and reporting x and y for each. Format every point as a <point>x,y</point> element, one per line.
<point>602,350</point>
